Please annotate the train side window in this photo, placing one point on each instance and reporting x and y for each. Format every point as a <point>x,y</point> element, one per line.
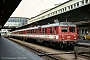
<point>50,30</point>
<point>40,30</point>
<point>31,31</point>
<point>43,30</point>
<point>54,30</point>
<point>28,31</point>
<point>35,31</point>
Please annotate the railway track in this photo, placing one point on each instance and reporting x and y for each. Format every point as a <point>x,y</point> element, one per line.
<point>48,53</point>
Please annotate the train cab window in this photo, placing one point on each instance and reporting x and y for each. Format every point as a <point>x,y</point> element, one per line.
<point>72,29</point>
<point>64,29</point>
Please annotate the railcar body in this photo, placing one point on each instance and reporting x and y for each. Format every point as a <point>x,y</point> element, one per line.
<point>63,33</point>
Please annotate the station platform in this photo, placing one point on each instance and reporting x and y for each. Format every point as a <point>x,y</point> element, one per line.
<point>11,51</point>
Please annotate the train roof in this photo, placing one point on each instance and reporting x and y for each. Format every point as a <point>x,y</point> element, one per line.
<point>59,24</point>
<point>49,25</point>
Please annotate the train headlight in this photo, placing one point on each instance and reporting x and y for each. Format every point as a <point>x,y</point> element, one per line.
<point>62,38</point>
<point>74,38</point>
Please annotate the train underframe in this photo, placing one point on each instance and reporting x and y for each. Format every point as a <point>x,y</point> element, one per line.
<point>52,43</point>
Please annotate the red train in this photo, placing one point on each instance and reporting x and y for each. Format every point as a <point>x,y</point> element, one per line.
<point>62,33</point>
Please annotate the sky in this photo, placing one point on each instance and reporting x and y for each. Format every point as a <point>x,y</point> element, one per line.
<point>31,8</point>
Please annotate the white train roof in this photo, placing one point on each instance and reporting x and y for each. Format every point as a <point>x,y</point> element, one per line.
<point>59,24</point>
<point>49,25</point>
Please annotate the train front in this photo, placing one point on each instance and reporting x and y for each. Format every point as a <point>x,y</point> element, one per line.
<point>68,33</point>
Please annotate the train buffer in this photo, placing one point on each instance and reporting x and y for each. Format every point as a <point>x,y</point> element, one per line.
<point>82,47</point>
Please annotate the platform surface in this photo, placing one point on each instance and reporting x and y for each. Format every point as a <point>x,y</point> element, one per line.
<point>11,51</point>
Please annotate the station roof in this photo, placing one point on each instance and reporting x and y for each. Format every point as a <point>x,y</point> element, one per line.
<point>7,7</point>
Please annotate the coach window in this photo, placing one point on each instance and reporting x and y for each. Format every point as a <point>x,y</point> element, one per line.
<point>40,30</point>
<point>31,31</point>
<point>34,30</point>
<point>27,31</point>
<point>50,30</point>
<point>43,30</point>
<point>54,30</point>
